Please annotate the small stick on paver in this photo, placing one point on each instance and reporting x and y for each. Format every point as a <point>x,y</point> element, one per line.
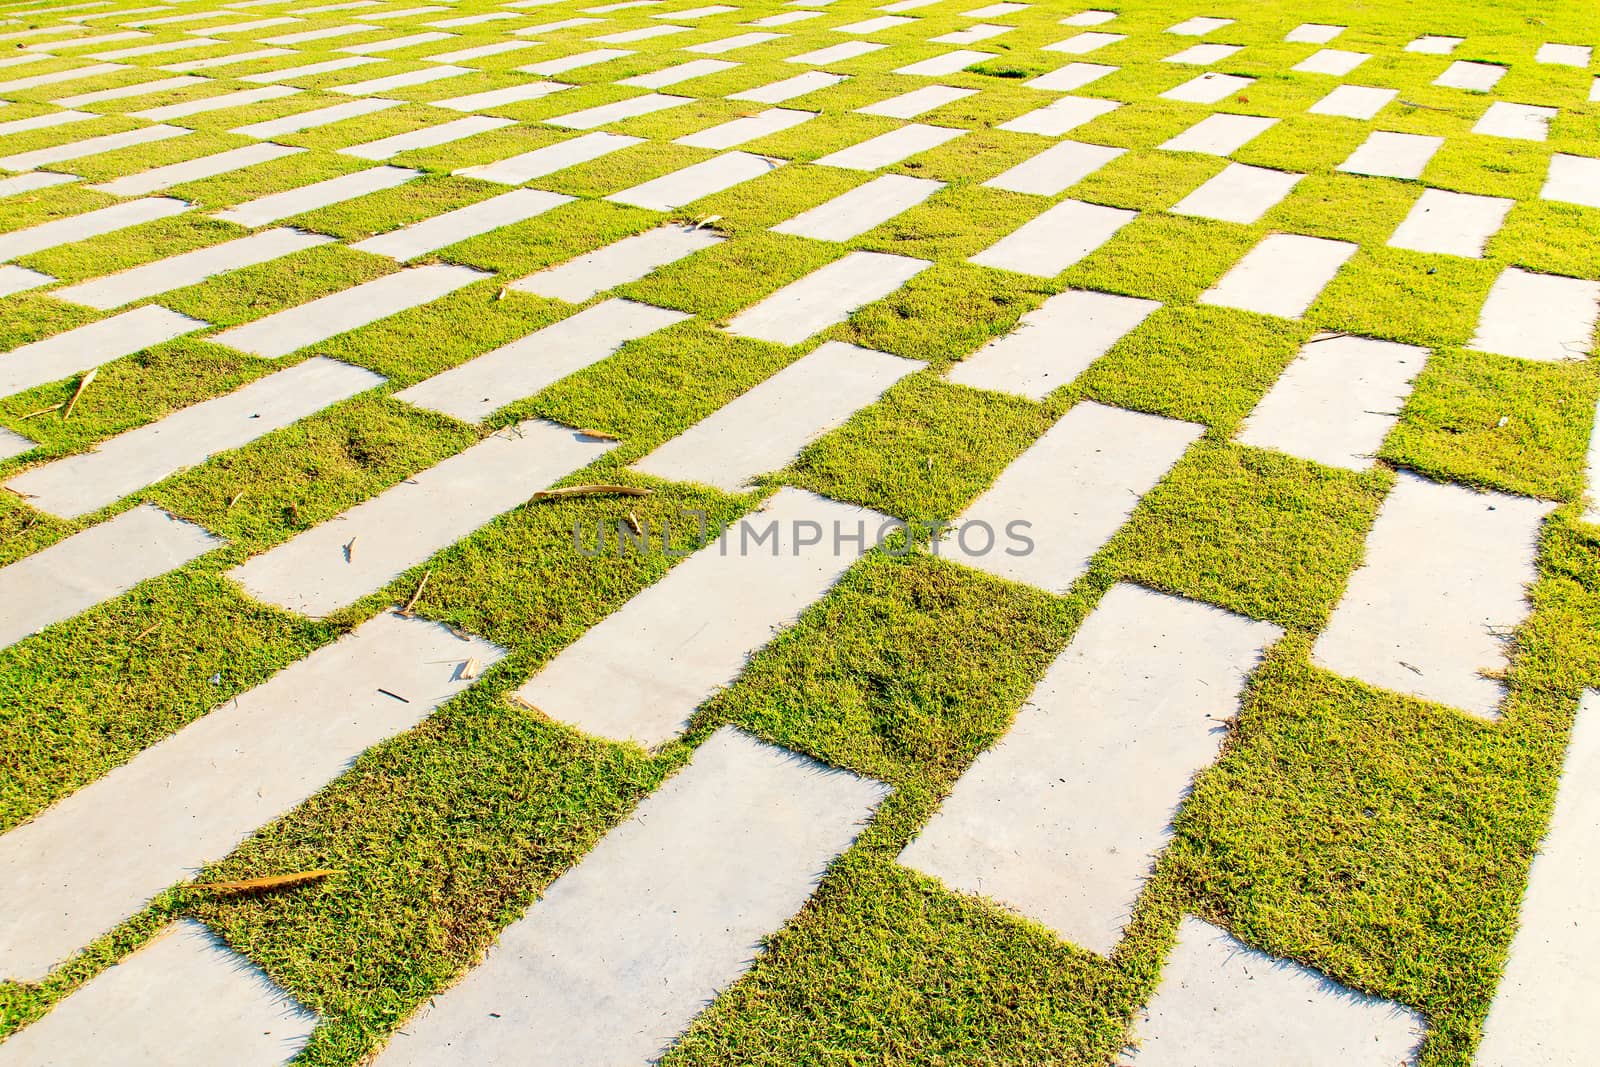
<point>349,549</point>
<point>397,696</point>
<point>405,612</point>
<point>83,383</point>
<point>469,669</point>
<point>589,490</point>
<point>266,882</point>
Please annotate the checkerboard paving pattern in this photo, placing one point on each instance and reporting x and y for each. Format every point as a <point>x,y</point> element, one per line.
<point>1165,435</point>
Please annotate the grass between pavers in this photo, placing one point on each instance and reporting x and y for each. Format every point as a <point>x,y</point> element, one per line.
<point>1380,839</point>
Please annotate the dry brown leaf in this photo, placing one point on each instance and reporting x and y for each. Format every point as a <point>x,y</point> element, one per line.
<point>83,383</point>
<point>270,881</point>
<point>599,435</point>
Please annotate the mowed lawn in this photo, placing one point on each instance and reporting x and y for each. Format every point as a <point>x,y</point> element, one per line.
<point>1377,838</point>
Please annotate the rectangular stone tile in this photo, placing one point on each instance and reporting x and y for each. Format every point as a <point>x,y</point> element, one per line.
<point>427,137</point>
<point>311,120</point>
<point>730,44</point>
<point>216,62</point>
<point>91,146</point>
<point>762,430</point>
<point>1070,77</point>
<point>14,279</point>
<point>1060,820</point>
<point>479,387</point>
<point>322,34</point>
<point>697,12</point>
<point>890,148</point>
<point>394,44</point>
<point>1572,180</point>
<point>1238,194</point>
<point>916,102</point>
<point>311,70</point>
<point>96,857</point>
<point>1337,401</point>
<point>1354,102</point>
<point>784,19</point>
<point>1053,241</point>
<point>188,268</point>
<point>1072,489</point>
<point>1283,275</point>
<point>1333,61</point>
<point>1431,44</point>
<point>1220,134</point>
<point>47,121</point>
<point>158,49</point>
<point>1208,88</point>
<point>1052,344</point>
<point>482,51</point>
<point>159,178</point>
<point>122,92</point>
<point>475,20</point>
<point>551,67</point>
<point>941,65</point>
<point>59,77</point>
<point>605,114</point>
<point>88,481</point>
<point>637,674</point>
<point>1313,33</point>
<point>1480,77</point>
<point>717,859</point>
<point>555,27</point>
<point>1520,122</point>
<point>1089,18</point>
<point>1541,1013</point>
<point>685,186</point>
<point>1456,224</point>
<point>1443,584</point>
<point>1222,1002</point>
<point>779,91</point>
<point>294,328</point>
<point>682,72</point>
<point>549,159</point>
<point>838,53</point>
<point>403,13</point>
<point>738,131</point>
<point>13,444</point>
<point>184,997</point>
<point>1083,43</point>
<point>643,34</point>
<point>972,34</point>
<point>1538,316</point>
<point>826,296</point>
<point>245,27</point>
<point>275,206</point>
<point>61,581</point>
<point>240,98</point>
<point>333,565</point>
<point>627,260</point>
<point>91,345</point>
<point>1204,55</point>
<point>1561,55</point>
<point>1065,114</point>
<point>389,83</point>
<point>513,94</point>
<point>1056,169</point>
<point>874,25</point>
<point>863,208</point>
<point>1199,26</point>
<point>441,231</point>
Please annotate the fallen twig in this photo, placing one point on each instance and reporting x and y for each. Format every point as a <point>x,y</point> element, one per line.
<point>590,490</point>
<point>417,595</point>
